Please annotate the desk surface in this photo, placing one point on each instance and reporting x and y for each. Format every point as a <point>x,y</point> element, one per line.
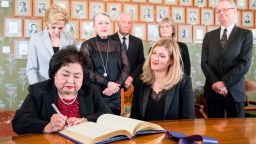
<point>227,131</point>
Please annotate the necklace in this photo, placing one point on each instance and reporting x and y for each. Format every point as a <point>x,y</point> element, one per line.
<point>61,98</point>
<point>105,65</point>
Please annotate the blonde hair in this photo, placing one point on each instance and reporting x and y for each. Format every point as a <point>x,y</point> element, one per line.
<point>167,20</point>
<point>100,14</point>
<point>55,13</point>
<point>175,71</point>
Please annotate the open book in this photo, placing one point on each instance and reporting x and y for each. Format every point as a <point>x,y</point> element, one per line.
<point>108,126</point>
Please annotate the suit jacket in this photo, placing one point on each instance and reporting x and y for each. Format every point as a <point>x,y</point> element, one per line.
<point>40,52</point>
<point>179,100</point>
<point>185,57</point>
<point>229,64</point>
<point>135,54</point>
<point>36,110</point>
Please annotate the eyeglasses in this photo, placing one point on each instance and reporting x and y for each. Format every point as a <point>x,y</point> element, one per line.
<point>224,10</point>
<point>165,26</point>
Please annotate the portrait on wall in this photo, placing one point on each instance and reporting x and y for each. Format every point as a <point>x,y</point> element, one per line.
<point>152,32</point>
<point>12,27</point>
<point>132,9</point>
<point>86,30</point>
<point>21,48</point>
<point>247,19</point>
<point>62,3</point>
<point>40,6</point>
<point>162,12</point>
<point>139,1</point>
<point>95,8</point>
<point>241,4</point>
<point>114,9</point>
<point>200,3</point>
<point>178,14</point>
<point>192,16</point>
<point>171,2</point>
<point>22,7</point>
<point>213,3</point>
<point>252,5</point>
<point>72,28</point>
<point>32,26</point>
<point>198,33</point>
<point>139,30</point>
<point>207,17</point>
<point>79,10</point>
<point>186,2</point>
<point>185,33</point>
<point>147,13</point>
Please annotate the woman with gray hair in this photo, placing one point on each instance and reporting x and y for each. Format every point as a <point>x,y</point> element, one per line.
<point>108,61</point>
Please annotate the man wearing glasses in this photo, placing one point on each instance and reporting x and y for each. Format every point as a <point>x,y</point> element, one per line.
<point>226,58</point>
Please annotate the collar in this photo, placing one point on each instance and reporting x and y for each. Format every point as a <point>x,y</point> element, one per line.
<point>121,36</point>
<point>100,39</point>
<point>229,28</point>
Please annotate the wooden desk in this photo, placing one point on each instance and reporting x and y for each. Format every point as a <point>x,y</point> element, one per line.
<point>227,131</point>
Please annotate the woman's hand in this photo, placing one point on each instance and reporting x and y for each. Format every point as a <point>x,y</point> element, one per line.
<point>114,87</point>
<point>57,123</point>
<point>74,121</point>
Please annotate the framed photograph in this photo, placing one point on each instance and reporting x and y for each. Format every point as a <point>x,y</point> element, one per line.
<point>155,1</point>
<point>252,5</point>
<point>200,3</point>
<point>171,2</point>
<point>32,26</point>
<point>62,3</point>
<point>185,33</point>
<point>213,3</point>
<point>210,28</point>
<point>254,35</point>
<point>198,34</point>
<point>186,2</point>
<point>12,27</point>
<point>22,8</point>
<point>152,32</point>
<point>86,30</point>
<point>207,16</point>
<point>114,9</point>
<point>40,6</point>
<point>162,12</point>
<point>178,14</point>
<point>72,28</point>
<point>241,4</point>
<point>95,7</point>
<point>193,16</point>
<point>147,13</point>
<point>132,9</point>
<point>79,9</point>
<point>21,48</point>
<point>139,1</point>
<point>139,30</point>
<point>247,19</point>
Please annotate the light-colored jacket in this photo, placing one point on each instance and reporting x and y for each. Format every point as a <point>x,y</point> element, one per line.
<point>40,52</point>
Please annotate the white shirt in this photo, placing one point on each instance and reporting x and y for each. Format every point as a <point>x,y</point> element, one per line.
<point>229,30</point>
<point>121,39</point>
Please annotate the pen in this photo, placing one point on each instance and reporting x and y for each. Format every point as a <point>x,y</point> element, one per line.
<point>55,108</point>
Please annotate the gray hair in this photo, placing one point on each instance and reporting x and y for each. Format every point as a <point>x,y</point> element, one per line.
<point>98,14</point>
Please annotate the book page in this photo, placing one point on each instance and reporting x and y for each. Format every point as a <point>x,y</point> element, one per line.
<point>90,132</point>
<point>129,124</point>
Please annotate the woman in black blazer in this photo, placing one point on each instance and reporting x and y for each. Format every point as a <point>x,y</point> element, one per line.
<point>167,29</point>
<point>164,92</point>
<point>77,100</point>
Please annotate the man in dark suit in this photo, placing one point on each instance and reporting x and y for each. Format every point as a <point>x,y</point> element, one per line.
<point>226,58</point>
<point>133,45</point>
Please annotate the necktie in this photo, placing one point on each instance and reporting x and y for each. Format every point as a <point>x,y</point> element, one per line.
<point>224,38</point>
<point>124,43</point>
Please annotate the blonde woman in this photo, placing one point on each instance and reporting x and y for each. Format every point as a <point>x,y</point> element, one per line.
<point>44,44</point>
<point>164,91</point>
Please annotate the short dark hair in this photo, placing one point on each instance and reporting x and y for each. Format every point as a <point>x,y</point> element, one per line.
<point>68,55</point>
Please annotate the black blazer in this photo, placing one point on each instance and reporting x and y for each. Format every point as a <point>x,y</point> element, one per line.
<point>36,110</point>
<point>185,57</point>
<point>229,64</point>
<point>135,54</point>
<point>179,100</point>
